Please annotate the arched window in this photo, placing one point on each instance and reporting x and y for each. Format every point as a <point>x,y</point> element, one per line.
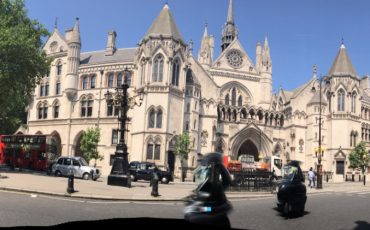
<point>86,106</point>
<point>353,102</point>
<point>195,124</point>
<point>341,100</point>
<point>142,75</point>
<point>93,82</point>
<point>47,89</point>
<point>328,96</point>
<point>39,111</point>
<point>57,88</point>
<point>159,119</point>
<point>151,118</point>
<point>42,110</point>
<point>233,97</point>
<point>175,72</point>
<point>227,99</point>
<point>280,106</point>
<point>196,104</point>
<point>110,80</point>
<point>56,109</point>
<point>84,82</point>
<point>128,78</point>
<point>158,69</point>
<point>59,68</point>
<point>42,90</point>
<point>188,107</point>
<point>240,101</point>
<point>153,150</point>
<point>119,80</point>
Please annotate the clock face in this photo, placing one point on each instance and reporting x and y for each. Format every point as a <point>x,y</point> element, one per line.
<point>235,58</point>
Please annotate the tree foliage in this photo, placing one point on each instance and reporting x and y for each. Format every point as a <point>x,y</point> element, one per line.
<point>22,62</point>
<point>359,157</point>
<point>182,146</point>
<point>89,143</point>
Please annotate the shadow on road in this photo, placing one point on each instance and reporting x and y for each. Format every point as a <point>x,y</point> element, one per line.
<point>138,223</point>
<point>291,216</point>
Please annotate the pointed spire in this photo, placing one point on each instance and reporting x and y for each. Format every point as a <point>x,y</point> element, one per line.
<point>266,44</point>
<point>205,34</point>
<point>342,64</point>
<point>230,15</point>
<point>164,25</point>
<point>315,71</point>
<point>56,23</point>
<point>75,36</point>
<point>229,31</point>
<point>266,50</point>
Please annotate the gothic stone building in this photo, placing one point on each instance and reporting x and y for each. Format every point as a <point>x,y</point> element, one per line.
<point>225,103</point>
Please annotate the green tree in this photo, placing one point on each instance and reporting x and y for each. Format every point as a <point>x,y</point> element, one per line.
<point>359,157</point>
<point>22,62</point>
<point>89,144</point>
<point>182,150</point>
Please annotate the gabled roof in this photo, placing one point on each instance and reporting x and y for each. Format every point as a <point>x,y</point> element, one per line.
<point>366,97</point>
<point>164,25</point>
<point>97,57</point>
<point>342,64</point>
<point>297,91</point>
<point>316,98</point>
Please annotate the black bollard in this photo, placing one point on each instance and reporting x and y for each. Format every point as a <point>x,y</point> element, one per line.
<point>70,188</point>
<point>353,177</point>
<point>154,184</point>
<point>364,179</point>
<point>327,178</point>
<point>359,177</point>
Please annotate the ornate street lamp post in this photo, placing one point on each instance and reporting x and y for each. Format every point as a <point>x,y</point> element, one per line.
<point>119,174</point>
<point>320,149</point>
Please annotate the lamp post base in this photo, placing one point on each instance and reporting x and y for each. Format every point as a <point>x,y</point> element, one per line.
<point>119,180</point>
<point>119,175</point>
<point>319,176</point>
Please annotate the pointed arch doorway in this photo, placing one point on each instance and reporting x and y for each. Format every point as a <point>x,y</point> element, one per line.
<point>252,141</point>
<point>247,150</point>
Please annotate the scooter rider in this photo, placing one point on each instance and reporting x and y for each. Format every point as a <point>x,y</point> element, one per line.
<point>209,199</point>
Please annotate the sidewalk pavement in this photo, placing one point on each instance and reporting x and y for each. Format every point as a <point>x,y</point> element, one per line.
<point>38,183</point>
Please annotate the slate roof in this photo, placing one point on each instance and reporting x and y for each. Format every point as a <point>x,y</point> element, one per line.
<point>99,57</point>
<point>342,64</point>
<point>164,25</point>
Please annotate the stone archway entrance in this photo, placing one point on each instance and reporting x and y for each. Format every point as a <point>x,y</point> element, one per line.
<point>250,140</point>
<point>247,149</point>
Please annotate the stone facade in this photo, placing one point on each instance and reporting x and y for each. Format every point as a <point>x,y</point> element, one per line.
<point>225,103</point>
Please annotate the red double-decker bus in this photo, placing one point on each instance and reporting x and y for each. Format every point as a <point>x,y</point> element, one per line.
<point>27,151</point>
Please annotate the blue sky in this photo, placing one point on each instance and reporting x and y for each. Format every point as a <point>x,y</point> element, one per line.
<point>301,33</point>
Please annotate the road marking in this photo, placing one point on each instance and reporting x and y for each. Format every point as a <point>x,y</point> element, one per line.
<point>33,195</point>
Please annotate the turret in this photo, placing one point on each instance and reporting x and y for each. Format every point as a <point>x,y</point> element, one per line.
<point>229,32</point>
<point>74,49</point>
<point>111,43</point>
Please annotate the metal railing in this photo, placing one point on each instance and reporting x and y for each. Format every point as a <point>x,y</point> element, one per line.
<point>252,181</point>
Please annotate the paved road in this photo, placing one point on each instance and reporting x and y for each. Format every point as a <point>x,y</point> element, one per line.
<point>344,210</point>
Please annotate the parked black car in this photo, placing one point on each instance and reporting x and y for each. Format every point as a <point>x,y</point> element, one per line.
<point>144,171</point>
<point>291,194</point>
